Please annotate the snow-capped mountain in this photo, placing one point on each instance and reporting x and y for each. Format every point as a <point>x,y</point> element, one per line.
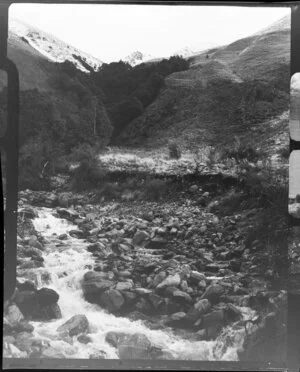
<point>184,52</point>
<point>137,58</point>
<point>51,47</point>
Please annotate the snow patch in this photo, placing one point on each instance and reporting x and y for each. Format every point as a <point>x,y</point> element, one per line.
<point>53,48</point>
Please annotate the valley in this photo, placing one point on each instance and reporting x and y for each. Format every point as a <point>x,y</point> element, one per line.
<point>152,202</point>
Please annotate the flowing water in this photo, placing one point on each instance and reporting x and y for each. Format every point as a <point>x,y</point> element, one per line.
<point>66,264</point>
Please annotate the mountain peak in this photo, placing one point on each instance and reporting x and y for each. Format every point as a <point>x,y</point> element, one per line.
<point>137,57</point>
<point>184,52</point>
<point>51,47</point>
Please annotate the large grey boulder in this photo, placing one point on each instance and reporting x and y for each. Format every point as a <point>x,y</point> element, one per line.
<point>95,284</point>
<point>112,300</point>
<point>75,325</point>
<point>139,238</point>
<point>213,293</point>
<point>134,346</point>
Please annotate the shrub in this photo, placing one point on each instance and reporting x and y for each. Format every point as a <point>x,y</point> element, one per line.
<point>174,151</point>
<point>285,152</point>
<point>90,174</point>
<point>232,202</point>
<point>154,189</point>
<point>213,156</point>
<point>110,190</point>
<point>241,151</point>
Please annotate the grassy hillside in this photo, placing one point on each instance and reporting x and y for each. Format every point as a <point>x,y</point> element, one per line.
<point>226,91</point>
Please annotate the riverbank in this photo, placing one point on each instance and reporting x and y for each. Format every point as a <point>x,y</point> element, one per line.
<point>175,272</point>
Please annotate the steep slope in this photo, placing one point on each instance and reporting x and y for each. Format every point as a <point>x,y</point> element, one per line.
<point>257,56</point>
<point>35,53</point>
<point>59,110</point>
<point>226,91</point>
<point>53,48</point>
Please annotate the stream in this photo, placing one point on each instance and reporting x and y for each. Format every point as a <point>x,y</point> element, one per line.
<point>66,263</point>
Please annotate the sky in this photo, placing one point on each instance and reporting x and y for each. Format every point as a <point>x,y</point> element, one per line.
<point>111,32</point>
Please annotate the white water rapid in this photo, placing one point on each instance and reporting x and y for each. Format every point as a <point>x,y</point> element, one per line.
<point>67,264</point>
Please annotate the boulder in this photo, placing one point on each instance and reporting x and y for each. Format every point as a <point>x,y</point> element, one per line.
<point>196,277</point>
<point>93,283</point>
<point>158,302</point>
<point>113,338</point>
<point>194,188</point>
<point>64,200</point>
<point>182,296</point>
<point>202,306</point>
<point>84,339</point>
<point>75,325</point>
<point>99,355</point>
<point>50,200</point>
<point>51,312</point>
<point>27,285</point>
<point>139,238</point>
<point>28,212</point>
<point>24,341</point>
<point>265,342</point>
<point>34,253</point>
<point>11,351</point>
<point>14,315</point>
<point>26,301</point>
<point>124,286</point>
<point>63,237</point>
<point>198,310</point>
<point>54,353</point>
<point>134,346</point>
<point>100,250</point>
<point>170,281</point>
<point>202,229</point>
<point>157,242</point>
<point>232,313</point>
<point>30,265</point>
<point>68,214</point>
<point>24,326</point>
<point>214,318</point>
<point>112,299</point>
<point>158,278</point>
<point>213,293</point>
<point>47,296</point>
<point>178,316</point>
<point>26,229</point>
<point>79,234</point>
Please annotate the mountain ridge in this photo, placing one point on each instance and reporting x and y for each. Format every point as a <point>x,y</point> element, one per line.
<point>51,46</point>
<point>190,107</point>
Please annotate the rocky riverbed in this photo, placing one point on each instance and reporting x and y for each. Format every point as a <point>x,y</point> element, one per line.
<point>142,280</point>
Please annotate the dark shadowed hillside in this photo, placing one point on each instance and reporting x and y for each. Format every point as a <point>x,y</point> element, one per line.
<point>59,110</point>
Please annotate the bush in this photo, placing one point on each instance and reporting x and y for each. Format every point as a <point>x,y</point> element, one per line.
<point>240,151</point>
<point>214,156</point>
<point>285,152</point>
<point>89,174</point>
<point>154,189</point>
<point>174,151</point>
<point>229,204</point>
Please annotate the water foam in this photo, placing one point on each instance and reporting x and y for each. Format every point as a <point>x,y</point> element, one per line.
<point>67,266</point>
